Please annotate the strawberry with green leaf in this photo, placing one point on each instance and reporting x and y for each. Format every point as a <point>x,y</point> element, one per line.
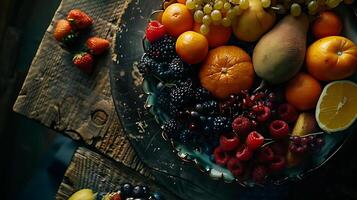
<point>64,32</point>
<point>84,61</point>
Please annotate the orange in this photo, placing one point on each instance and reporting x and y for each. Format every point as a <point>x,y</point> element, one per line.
<point>327,24</point>
<point>337,107</point>
<point>192,47</point>
<point>177,19</point>
<point>218,35</point>
<point>181,1</point>
<point>227,70</point>
<point>332,58</point>
<point>303,91</point>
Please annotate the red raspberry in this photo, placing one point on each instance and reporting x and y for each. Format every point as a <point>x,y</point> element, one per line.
<point>262,112</point>
<point>242,126</point>
<point>259,173</point>
<point>244,154</point>
<point>154,31</point>
<point>220,156</point>
<point>277,164</point>
<point>228,142</point>
<point>279,129</point>
<point>254,140</point>
<point>265,155</point>
<point>235,167</point>
<point>288,113</point>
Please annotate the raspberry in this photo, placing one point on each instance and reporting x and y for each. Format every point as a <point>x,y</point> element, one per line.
<point>235,167</point>
<point>154,31</point>
<point>277,164</point>
<point>263,113</point>
<point>288,113</point>
<point>279,129</point>
<point>259,173</point>
<point>228,142</point>
<point>221,157</point>
<point>265,155</point>
<point>254,140</point>
<point>242,126</point>
<point>244,154</point>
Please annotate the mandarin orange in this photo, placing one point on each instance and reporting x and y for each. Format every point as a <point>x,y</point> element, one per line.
<point>227,70</point>
<point>332,58</point>
<point>303,91</point>
<point>177,19</point>
<point>192,47</point>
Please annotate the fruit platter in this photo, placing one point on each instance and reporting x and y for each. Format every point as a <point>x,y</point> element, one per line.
<point>254,92</point>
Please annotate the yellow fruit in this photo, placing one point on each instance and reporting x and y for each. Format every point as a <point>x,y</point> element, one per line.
<point>305,124</point>
<point>84,194</point>
<point>337,107</point>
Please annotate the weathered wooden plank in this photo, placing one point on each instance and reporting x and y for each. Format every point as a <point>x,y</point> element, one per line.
<point>61,97</point>
<point>91,170</point>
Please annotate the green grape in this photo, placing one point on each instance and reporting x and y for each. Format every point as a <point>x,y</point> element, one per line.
<point>226,22</point>
<point>333,3</point>
<point>198,2</point>
<point>244,4</point>
<point>266,3</point>
<point>295,10</point>
<point>207,9</point>
<point>312,6</point>
<point>218,5</point>
<point>206,20</point>
<point>190,4</point>
<point>236,2</point>
<point>198,16</point>
<point>204,29</point>
<point>230,14</point>
<point>227,6</point>
<point>237,10</point>
<point>216,15</point>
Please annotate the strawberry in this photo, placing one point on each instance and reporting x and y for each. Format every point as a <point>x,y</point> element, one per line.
<point>79,19</point>
<point>154,31</point>
<point>63,31</point>
<point>97,46</point>
<point>84,61</point>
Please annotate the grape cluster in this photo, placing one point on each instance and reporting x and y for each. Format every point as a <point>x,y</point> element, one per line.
<point>301,145</point>
<point>217,12</point>
<point>311,7</point>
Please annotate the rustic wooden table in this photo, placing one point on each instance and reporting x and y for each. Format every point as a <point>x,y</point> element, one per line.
<point>61,97</point>
<point>65,99</point>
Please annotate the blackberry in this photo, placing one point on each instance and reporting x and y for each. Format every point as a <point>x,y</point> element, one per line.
<point>202,94</point>
<point>182,94</point>
<point>146,65</point>
<point>163,49</point>
<point>176,69</point>
<point>185,136</point>
<point>171,128</point>
<point>163,98</point>
<point>210,107</point>
<point>221,124</point>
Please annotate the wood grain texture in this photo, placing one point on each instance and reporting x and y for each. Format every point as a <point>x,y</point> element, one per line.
<point>65,99</point>
<point>91,170</point>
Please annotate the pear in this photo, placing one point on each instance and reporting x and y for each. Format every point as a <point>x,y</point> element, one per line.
<point>280,53</point>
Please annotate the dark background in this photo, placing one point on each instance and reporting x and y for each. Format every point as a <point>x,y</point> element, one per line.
<point>30,167</point>
<point>33,157</point>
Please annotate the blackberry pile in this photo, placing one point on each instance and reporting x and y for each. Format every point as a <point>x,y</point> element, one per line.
<point>129,192</point>
<point>162,61</point>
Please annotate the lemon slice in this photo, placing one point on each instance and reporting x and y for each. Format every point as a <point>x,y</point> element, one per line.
<point>337,107</point>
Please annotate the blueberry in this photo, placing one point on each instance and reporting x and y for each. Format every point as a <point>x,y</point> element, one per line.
<point>100,195</point>
<point>137,191</point>
<point>146,190</point>
<point>130,198</point>
<point>139,199</point>
<point>126,189</point>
